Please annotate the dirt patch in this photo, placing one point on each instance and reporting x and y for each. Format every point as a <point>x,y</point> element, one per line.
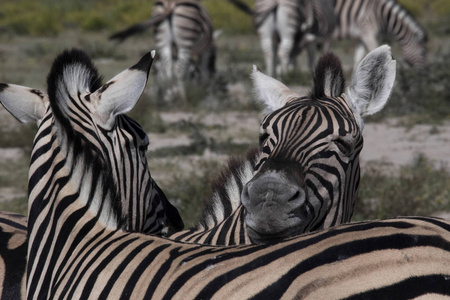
<point>399,145</point>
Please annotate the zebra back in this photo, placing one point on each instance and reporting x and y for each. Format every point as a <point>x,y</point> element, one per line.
<point>13,253</point>
<point>364,20</point>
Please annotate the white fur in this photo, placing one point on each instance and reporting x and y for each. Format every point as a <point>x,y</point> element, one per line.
<point>24,105</point>
<point>120,96</point>
<point>378,70</point>
<point>270,92</point>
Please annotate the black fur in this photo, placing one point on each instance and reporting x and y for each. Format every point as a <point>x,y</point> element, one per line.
<point>329,64</point>
<point>3,86</point>
<point>62,61</point>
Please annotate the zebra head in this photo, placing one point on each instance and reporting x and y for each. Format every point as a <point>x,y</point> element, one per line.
<point>307,175</point>
<point>90,115</point>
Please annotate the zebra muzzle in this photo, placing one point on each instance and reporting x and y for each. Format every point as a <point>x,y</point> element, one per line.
<point>275,206</point>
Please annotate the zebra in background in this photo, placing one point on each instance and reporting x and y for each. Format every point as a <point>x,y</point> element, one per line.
<point>78,250</point>
<point>183,30</point>
<point>278,23</point>
<point>285,27</point>
<point>365,21</point>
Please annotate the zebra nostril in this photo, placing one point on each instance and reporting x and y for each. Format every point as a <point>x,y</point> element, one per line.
<point>295,196</point>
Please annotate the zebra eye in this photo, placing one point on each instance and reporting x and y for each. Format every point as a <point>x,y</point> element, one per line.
<point>143,149</point>
<point>343,146</point>
<point>262,138</point>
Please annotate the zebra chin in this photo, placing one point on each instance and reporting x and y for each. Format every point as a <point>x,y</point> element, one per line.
<point>276,207</point>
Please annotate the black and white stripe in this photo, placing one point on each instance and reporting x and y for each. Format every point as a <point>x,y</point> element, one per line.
<point>366,21</point>
<point>77,249</point>
<point>183,32</point>
<point>308,174</point>
<point>13,253</point>
<point>278,23</point>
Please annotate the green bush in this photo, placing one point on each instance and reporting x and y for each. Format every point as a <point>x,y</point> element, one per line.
<point>420,95</point>
<point>416,189</point>
<point>189,191</point>
<point>50,17</point>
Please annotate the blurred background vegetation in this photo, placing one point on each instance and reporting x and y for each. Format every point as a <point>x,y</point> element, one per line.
<point>33,32</point>
<point>50,17</point>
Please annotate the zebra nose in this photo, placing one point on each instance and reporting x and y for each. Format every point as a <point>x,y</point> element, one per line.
<point>272,192</point>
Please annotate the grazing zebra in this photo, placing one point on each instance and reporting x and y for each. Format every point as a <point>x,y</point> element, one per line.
<point>77,249</point>
<point>364,21</point>
<point>183,30</point>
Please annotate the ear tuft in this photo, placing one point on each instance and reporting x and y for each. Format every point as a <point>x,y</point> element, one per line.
<point>145,63</point>
<point>328,77</point>
<point>120,94</point>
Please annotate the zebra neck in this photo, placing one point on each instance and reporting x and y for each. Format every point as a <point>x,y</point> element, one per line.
<point>400,25</point>
<point>226,195</point>
<point>67,176</point>
<point>231,231</point>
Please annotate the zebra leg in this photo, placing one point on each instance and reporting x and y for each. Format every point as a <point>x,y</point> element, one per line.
<point>287,35</point>
<point>208,64</point>
<point>266,34</point>
<point>164,42</point>
<point>182,69</point>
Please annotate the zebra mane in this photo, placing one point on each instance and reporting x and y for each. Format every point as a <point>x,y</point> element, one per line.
<point>329,79</point>
<point>73,73</point>
<point>411,22</point>
<point>226,189</point>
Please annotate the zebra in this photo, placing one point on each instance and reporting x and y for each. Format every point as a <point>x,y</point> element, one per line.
<point>77,248</point>
<point>308,172</point>
<point>13,252</point>
<point>149,215</point>
<point>285,27</point>
<point>183,30</point>
<point>278,24</point>
<point>364,21</point>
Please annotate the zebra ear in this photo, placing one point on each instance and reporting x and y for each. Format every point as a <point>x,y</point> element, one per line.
<point>372,82</point>
<point>121,93</point>
<point>270,92</point>
<point>24,103</point>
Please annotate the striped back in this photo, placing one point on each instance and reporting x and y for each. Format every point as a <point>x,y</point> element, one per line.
<point>13,253</point>
<point>365,20</point>
<point>185,31</point>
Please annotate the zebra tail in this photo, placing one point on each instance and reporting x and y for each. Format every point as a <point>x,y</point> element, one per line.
<point>137,28</point>
<point>243,7</point>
